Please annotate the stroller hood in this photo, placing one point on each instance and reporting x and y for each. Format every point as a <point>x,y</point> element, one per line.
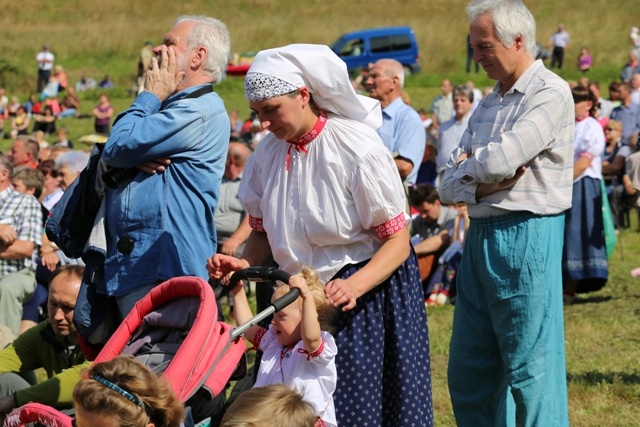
<point>175,331</point>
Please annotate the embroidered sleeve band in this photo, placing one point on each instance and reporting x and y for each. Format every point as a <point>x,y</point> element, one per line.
<point>256,224</point>
<point>390,227</point>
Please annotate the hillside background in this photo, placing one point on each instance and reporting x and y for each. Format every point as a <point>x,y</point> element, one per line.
<point>98,38</point>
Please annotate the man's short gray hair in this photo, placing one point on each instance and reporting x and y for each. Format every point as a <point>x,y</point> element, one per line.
<point>511,18</point>
<point>214,36</point>
<point>393,68</point>
<point>465,91</point>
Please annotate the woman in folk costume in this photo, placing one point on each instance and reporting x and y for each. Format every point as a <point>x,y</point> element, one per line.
<point>321,190</point>
<point>584,254</point>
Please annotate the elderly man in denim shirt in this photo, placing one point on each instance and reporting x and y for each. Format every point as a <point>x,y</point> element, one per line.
<point>159,219</point>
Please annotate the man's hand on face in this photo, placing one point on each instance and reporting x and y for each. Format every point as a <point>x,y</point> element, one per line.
<point>161,78</point>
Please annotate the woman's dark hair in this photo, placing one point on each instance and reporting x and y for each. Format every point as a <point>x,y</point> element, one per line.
<point>312,103</point>
<point>581,94</point>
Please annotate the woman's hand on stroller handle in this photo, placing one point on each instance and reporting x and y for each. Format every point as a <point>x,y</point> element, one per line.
<point>221,267</point>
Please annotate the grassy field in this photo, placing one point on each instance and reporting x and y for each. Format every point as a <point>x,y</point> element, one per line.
<point>98,38</point>
<point>602,336</point>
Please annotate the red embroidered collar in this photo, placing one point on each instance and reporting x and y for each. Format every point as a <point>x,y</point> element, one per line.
<point>301,143</point>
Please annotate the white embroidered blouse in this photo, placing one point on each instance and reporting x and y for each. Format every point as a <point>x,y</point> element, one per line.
<point>327,203</point>
<point>314,375</point>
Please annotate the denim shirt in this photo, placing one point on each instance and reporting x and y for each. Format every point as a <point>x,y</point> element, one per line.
<point>168,215</point>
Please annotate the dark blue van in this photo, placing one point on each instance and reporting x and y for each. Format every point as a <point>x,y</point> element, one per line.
<point>359,48</point>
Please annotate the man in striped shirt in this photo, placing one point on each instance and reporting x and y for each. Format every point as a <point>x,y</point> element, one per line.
<point>514,170</point>
<point>20,237</point>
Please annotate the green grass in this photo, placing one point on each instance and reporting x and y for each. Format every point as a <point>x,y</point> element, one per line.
<point>602,335</point>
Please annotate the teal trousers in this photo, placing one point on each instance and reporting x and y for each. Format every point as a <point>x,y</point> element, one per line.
<point>507,357</point>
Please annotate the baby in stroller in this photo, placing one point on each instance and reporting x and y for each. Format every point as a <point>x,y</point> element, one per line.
<point>298,350</point>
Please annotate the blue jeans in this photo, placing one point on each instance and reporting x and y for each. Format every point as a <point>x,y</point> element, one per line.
<point>507,346</point>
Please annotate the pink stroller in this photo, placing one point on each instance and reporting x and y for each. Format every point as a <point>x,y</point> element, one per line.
<point>174,330</point>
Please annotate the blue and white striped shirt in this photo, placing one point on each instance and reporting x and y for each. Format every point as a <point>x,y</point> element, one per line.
<point>531,125</point>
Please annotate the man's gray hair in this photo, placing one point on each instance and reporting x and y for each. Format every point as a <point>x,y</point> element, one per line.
<point>393,68</point>
<point>73,160</point>
<point>465,91</point>
<point>511,18</point>
<point>214,36</point>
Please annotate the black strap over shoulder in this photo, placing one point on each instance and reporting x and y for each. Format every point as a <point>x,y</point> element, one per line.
<point>202,91</point>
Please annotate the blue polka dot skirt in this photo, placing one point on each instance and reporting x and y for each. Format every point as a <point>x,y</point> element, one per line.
<point>384,370</point>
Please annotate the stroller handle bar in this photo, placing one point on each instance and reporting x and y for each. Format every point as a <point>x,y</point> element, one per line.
<point>263,274</point>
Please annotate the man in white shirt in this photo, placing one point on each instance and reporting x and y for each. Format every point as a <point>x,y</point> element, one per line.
<point>45,64</point>
<point>20,237</point>
<point>560,42</point>
<point>442,105</point>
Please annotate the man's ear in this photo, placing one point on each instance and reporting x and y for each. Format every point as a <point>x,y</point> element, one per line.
<point>198,57</point>
<point>519,42</point>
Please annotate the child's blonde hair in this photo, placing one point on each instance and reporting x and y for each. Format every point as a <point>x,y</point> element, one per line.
<point>326,311</point>
<point>155,401</point>
<point>271,405</point>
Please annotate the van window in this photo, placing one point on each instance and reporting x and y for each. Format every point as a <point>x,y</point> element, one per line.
<point>352,48</point>
<point>390,43</point>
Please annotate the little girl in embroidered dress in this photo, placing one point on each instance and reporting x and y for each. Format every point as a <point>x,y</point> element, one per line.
<point>297,349</point>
